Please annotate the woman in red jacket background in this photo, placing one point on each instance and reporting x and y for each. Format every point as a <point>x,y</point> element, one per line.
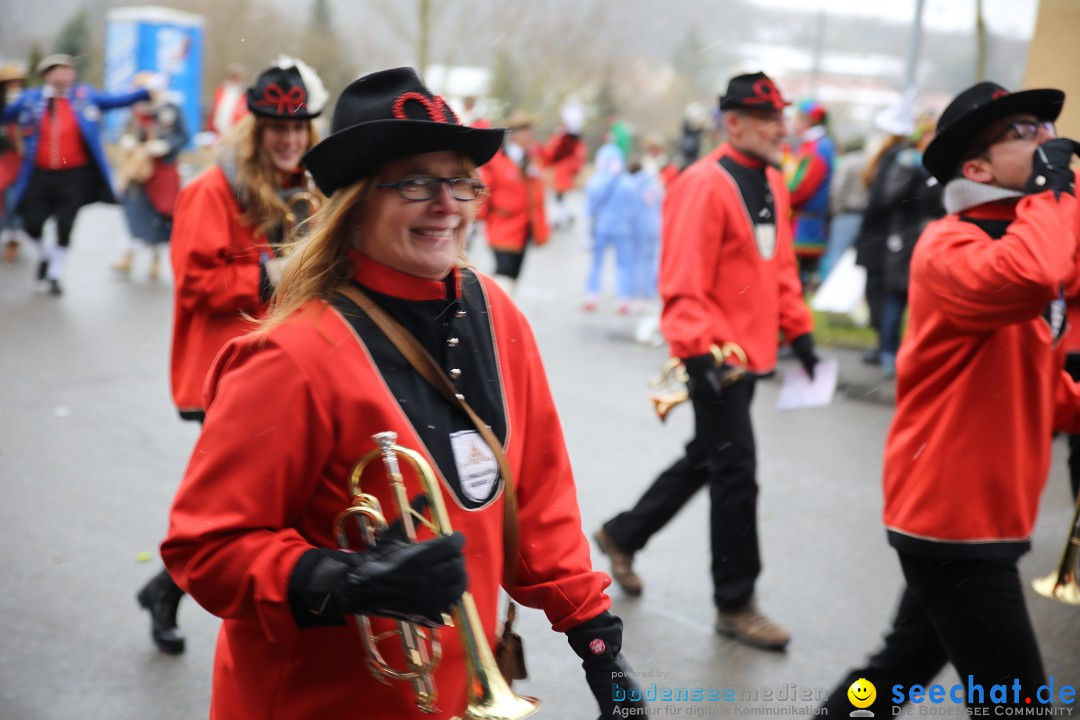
<point>226,227</point>
<point>514,211</point>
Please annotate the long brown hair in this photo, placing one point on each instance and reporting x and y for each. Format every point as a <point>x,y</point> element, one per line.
<point>256,177</point>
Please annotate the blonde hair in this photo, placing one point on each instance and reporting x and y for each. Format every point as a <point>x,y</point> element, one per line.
<point>318,253</point>
<point>256,177</point>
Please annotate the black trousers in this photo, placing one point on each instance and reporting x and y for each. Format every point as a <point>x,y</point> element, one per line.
<point>58,193</point>
<point>970,613</point>
<point>875,299</point>
<point>723,455</point>
<point>509,263</point>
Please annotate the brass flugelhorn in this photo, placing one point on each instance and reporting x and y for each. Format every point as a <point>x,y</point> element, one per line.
<point>668,390</point>
<point>1061,584</point>
<point>489,695</point>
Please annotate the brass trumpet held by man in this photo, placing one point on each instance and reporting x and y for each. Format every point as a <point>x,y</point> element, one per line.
<point>489,696</point>
<point>669,390</point>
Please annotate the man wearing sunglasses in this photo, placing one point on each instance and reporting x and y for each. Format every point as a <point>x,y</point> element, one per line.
<point>980,388</point>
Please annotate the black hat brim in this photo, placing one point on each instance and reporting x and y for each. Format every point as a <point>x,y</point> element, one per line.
<point>272,116</point>
<point>737,103</point>
<point>947,149</point>
<point>348,155</point>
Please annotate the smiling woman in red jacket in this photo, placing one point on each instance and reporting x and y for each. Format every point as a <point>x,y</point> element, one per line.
<point>227,224</point>
<point>292,408</point>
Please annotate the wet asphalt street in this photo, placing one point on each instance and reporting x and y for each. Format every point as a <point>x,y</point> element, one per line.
<point>91,451</point>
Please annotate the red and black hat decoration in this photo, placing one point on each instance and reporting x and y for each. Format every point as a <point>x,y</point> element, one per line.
<point>387,115</point>
<point>754,91</point>
<point>288,90</point>
<point>974,109</point>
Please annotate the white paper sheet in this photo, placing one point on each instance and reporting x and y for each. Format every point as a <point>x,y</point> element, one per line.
<point>797,390</point>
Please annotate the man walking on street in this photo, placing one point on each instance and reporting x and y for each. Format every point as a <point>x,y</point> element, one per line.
<point>730,287</point>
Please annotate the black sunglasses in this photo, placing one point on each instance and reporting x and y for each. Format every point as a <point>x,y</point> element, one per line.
<point>417,189</point>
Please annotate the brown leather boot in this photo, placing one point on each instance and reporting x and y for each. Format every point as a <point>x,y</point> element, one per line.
<point>622,564</point>
<point>750,626</point>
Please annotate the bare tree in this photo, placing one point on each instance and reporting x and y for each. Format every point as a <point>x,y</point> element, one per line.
<point>980,42</point>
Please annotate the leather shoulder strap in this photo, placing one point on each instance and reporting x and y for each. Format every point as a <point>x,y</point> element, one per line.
<point>428,369</point>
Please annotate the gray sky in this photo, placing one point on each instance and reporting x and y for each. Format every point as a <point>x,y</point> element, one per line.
<point>1015,18</point>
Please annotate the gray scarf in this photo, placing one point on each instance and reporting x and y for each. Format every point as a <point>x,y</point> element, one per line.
<point>962,194</point>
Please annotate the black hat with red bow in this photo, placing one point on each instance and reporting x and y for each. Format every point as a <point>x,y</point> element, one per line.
<point>754,91</point>
<point>974,109</point>
<point>288,90</point>
<point>389,115</point>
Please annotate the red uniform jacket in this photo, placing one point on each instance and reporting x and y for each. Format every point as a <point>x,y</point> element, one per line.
<point>717,285</point>
<point>287,420</point>
<point>980,383</point>
<point>216,268</point>
<point>240,109</point>
<point>515,207</point>
<point>565,155</point>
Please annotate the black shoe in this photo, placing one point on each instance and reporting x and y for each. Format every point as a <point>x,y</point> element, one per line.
<point>161,597</point>
<point>872,357</point>
<point>42,268</point>
<point>54,287</point>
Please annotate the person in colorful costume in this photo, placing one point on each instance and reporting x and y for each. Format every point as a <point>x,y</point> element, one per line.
<point>12,82</point>
<point>151,184</point>
<point>808,170</point>
<point>64,165</point>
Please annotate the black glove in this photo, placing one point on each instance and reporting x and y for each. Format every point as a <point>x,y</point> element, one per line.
<point>703,375</point>
<point>597,642</point>
<point>1050,167</point>
<point>803,347</point>
<point>417,582</point>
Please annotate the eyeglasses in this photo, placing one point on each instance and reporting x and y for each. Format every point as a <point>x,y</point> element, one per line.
<point>416,189</point>
<point>1020,130</point>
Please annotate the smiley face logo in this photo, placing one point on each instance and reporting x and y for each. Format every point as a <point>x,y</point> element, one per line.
<point>862,693</point>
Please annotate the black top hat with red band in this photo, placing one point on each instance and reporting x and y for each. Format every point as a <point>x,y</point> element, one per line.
<point>389,115</point>
<point>282,91</point>
<point>755,91</point>
<point>974,109</point>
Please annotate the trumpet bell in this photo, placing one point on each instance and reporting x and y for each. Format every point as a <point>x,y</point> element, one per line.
<point>1061,585</point>
<point>668,391</point>
<point>664,404</point>
<point>1053,586</point>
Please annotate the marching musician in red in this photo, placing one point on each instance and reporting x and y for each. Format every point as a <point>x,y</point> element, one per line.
<point>564,155</point>
<point>727,275</point>
<point>980,390</point>
<point>514,212</point>
<point>227,225</point>
<point>292,408</point>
